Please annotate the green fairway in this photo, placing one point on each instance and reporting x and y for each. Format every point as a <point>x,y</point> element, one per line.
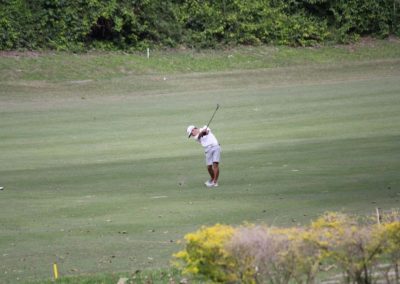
<point>100,177</point>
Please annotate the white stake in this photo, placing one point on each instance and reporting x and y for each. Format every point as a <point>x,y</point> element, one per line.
<point>378,216</point>
<point>148,53</point>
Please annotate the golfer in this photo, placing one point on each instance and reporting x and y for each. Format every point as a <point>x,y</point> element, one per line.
<point>212,150</point>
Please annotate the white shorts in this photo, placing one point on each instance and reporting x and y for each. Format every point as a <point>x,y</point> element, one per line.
<point>213,155</point>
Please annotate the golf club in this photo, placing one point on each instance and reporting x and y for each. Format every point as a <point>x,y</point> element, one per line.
<point>213,115</point>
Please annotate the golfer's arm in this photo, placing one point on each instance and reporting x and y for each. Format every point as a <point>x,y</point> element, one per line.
<point>202,133</point>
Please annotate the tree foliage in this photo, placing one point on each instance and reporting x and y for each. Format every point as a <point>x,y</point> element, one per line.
<point>133,24</point>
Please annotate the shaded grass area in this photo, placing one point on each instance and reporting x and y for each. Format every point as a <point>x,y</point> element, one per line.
<point>57,67</point>
<point>100,177</point>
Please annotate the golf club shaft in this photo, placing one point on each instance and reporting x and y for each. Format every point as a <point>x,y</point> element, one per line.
<point>213,115</point>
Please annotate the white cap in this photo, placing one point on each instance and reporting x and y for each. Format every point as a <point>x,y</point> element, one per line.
<point>189,130</point>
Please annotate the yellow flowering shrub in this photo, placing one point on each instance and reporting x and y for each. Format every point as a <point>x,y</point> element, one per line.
<point>205,254</point>
<point>261,254</point>
<point>354,247</point>
<point>391,233</point>
<point>304,253</point>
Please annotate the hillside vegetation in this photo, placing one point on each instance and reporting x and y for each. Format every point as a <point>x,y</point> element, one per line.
<point>122,24</point>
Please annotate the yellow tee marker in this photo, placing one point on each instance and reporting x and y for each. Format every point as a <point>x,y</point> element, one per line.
<point>55,270</point>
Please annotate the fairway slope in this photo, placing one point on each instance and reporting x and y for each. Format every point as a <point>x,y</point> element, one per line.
<point>100,177</point>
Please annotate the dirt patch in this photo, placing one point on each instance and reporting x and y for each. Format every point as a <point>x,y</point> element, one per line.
<point>393,38</point>
<point>19,54</point>
<point>363,42</point>
<point>369,42</point>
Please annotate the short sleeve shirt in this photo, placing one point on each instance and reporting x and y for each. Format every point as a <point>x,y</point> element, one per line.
<point>208,140</point>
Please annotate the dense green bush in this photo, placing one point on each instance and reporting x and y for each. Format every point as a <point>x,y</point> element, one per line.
<point>248,22</point>
<point>15,18</point>
<point>363,17</point>
<point>132,24</point>
<point>350,18</point>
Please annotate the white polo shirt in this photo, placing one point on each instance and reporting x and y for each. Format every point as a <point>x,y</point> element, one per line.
<point>207,141</point>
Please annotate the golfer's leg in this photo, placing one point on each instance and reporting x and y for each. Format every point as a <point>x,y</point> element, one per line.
<point>211,172</point>
<point>216,155</point>
<point>215,168</point>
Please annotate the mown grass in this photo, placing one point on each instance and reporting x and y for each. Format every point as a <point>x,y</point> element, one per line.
<point>100,177</point>
<point>56,67</point>
<point>138,277</point>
